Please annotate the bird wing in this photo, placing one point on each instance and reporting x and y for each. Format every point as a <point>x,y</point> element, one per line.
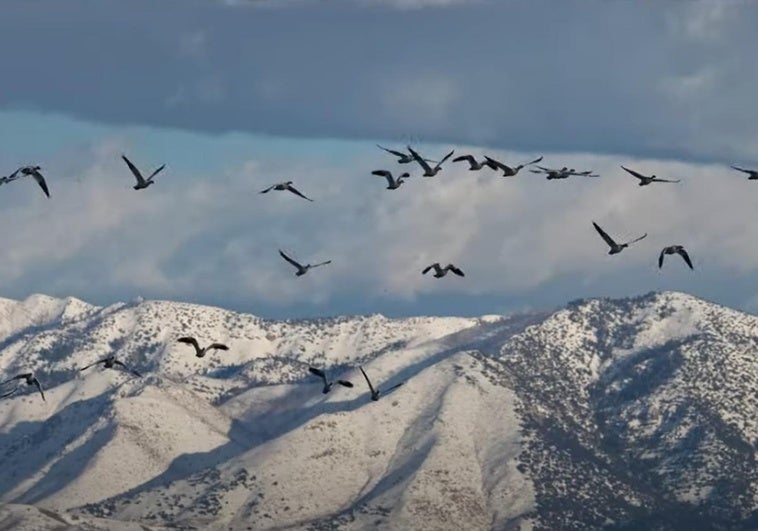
<point>345,383</point>
<point>189,341</point>
<point>93,364</point>
<point>439,164</point>
<point>318,372</point>
<point>10,393</point>
<point>638,239</point>
<point>19,377</point>
<point>116,362</point>
<point>421,161</point>
<point>657,180</point>
<point>396,153</point>
<point>426,270</point>
<point>660,258</point>
<point>604,235</point>
<point>39,387</point>
<point>37,176</point>
<point>455,270</point>
<point>156,172</point>
<point>735,167</point>
<point>296,192</point>
<point>386,174</point>
<point>290,260</point>
<point>632,172</point>
<point>468,158</point>
<point>267,190</point>
<point>535,161</point>
<point>686,257</point>
<point>217,346</point>
<point>135,171</point>
<point>489,161</point>
<point>321,264</point>
<point>373,392</point>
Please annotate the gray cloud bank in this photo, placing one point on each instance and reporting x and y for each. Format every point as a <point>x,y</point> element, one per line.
<point>672,79</point>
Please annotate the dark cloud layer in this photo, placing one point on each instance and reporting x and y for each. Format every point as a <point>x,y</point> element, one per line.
<point>642,78</point>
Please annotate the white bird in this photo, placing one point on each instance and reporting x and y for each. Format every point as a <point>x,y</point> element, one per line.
<point>428,170</point>
<point>142,183</point>
<point>392,183</point>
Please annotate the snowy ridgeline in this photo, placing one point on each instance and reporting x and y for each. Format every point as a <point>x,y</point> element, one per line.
<point>615,413</point>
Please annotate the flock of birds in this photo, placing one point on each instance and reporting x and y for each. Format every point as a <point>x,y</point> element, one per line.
<point>393,183</point>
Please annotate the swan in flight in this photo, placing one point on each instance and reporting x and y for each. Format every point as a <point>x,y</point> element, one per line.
<point>200,352</point>
<point>615,247</point>
<point>142,183</point>
<point>376,393</point>
<point>301,269</point>
<point>285,186</point>
<point>428,170</point>
<point>109,362</point>
<point>675,249</point>
<point>30,379</point>
<point>508,171</point>
<point>645,180</point>
<point>327,384</point>
<point>440,272</point>
<point>392,182</point>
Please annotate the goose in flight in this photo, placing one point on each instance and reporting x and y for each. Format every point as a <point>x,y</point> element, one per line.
<point>141,181</point>
<point>327,384</point>
<point>752,174</point>
<point>200,352</point>
<point>28,171</point>
<point>376,393</point>
<point>508,171</point>
<point>473,164</point>
<point>285,186</point>
<point>428,170</point>
<point>645,180</point>
<point>675,249</point>
<point>301,269</point>
<point>563,173</point>
<point>30,380</point>
<point>615,247</point>
<point>440,272</point>
<point>402,158</point>
<point>109,362</point>
<point>392,183</point>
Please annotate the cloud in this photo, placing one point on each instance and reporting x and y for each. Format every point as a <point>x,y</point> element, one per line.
<point>671,80</point>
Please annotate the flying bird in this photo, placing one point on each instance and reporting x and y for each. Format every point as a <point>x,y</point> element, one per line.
<point>200,352</point>
<point>473,164</point>
<point>428,170</point>
<point>301,269</point>
<point>675,249</point>
<point>615,247</point>
<point>30,380</point>
<point>752,174</point>
<point>28,171</point>
<point>392,183</point>
<point>376,393</point>
<point>440,272</point>
<point>402,158</point>
<point>285,186</point>
<point>141,181</point>
<point>508,171</point>
<point>109,362</point>
<point>327,384</point>
<point>645,180</point>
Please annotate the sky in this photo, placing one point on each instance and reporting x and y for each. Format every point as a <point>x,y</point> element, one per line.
<point>236,95</point>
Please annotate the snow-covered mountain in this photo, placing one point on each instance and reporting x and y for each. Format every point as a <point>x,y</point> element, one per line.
<point>624,414</point>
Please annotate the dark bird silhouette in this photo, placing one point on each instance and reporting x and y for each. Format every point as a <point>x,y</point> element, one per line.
<point>109,362</point>
<point>327,384</point>
<point>440,272</point>
<point>285,186</point>
<point>645,180</point>
<point>392,183</point>
<point>142,183</point>
<point>473,164</point>
<point>563,173</point>
<point>752,174</point>
<point>28,171</point>
<point>376,393</point>
<point>30,380</point>
<point>508,171</point>
<point>428,170</point>
<point>301,269</point>
<point>200,352</point>
<point>402,158</point>
<point>675,249</point>
<point>615,247</point>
